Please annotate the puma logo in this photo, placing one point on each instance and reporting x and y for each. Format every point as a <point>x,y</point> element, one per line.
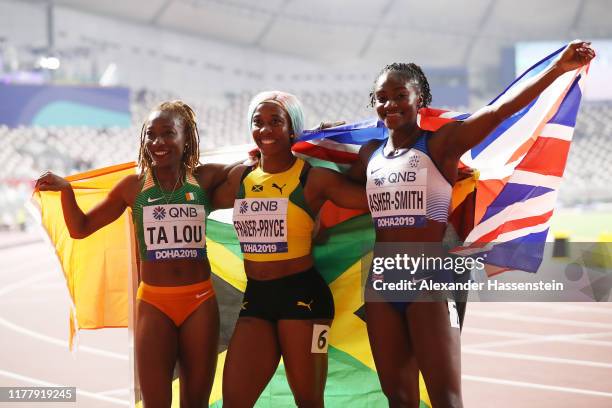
<point>306,305</point>
<point>279,188</point>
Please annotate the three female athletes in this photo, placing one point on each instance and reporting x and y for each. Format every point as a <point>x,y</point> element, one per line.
<point>287,308</point>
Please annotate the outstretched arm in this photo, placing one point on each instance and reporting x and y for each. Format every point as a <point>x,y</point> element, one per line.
<point>224,195</point>
<point>325,184</point>
<point>462,136</point>
<point>81,225</point>
<point>211,175</point>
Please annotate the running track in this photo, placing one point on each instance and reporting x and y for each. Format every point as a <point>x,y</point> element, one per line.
<point>514,354</point>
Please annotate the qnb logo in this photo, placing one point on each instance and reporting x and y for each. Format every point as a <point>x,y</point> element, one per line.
<point>159,213</point>
<point>379,181</point>
<point>244,207</point>
<point>403,176</point>
<point>413,161</point>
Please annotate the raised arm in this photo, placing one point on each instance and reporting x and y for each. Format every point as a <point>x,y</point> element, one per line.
<point>325,184</point>
<point>81,225</point>
<point>462,136</point>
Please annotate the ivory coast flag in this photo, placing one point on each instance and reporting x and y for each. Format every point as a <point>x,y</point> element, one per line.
<point>97,274</point>
<point>96,268</point>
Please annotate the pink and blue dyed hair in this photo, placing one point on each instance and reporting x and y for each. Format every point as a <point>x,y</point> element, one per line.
<point>287,101</point>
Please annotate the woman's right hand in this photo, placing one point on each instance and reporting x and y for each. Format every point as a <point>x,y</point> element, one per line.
<point>49,181</point>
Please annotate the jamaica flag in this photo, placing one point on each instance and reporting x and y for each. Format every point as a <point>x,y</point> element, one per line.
<point>352,379</point>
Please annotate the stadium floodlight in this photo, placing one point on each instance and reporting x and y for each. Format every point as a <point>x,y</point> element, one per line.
<point>52,63</point>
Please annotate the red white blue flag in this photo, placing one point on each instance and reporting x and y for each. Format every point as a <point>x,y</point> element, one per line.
<point>520,163</point>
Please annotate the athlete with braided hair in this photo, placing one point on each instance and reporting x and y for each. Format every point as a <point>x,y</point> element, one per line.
<point>407,336</point>
<point>177,312</point>
<point>410,72</point>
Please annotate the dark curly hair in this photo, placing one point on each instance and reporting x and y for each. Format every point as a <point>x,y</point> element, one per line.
<point>191,155</point>
<point>411,73</point>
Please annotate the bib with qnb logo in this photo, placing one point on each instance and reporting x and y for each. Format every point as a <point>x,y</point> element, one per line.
<point>406,189</point>
<point>171,225</point>
<point>271,218</point>
<point>261,224</point>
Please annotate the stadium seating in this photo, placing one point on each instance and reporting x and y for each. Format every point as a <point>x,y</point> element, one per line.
<point>29,150</point>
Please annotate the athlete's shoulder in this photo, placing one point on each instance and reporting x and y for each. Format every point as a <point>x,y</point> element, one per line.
<point>238,172</point>
<point>128,188</point>
<point>320,176</point>
<point>207,169</point>
<point>322,172</point>
<point>131,182</point>
<point>366,151</point>
<point>206,173</point>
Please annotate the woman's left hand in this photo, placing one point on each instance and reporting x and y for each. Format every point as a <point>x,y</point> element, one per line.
<point>575,55</point>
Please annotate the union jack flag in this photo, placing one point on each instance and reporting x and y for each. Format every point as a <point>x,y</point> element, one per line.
<point>520,163</point>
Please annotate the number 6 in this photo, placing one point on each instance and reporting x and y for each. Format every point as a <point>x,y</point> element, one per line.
<point>322,342</point>
<point>319,338</point>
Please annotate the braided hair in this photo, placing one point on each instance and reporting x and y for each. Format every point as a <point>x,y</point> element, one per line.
<point>411,73</point>
<point>191,154</point>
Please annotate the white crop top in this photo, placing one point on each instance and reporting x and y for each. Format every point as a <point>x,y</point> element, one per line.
<point>406,188</point>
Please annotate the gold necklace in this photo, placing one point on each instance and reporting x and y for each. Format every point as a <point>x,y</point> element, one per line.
<point>168,197</point>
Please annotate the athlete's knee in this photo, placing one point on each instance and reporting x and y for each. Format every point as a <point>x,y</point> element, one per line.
<point>308,400</point>
<point>403,401</point>
<point>156,392</point>
<point>401,396</point>
<point>447,398</point>
<point>193,401</point>
<point>235,400</point>
<point>237,397</point>
<point>156,401</point>
<point>194,398</point>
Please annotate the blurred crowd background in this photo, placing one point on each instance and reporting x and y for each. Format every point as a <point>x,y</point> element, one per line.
<point>78,77</point>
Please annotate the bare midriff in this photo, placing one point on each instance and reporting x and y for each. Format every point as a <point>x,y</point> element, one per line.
<point>277,269</point>
<point>178,272</point>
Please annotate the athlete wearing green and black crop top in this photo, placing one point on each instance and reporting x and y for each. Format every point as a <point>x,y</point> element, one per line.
<point>171,225</point>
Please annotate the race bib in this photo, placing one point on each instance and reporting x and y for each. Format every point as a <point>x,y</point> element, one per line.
<point>397,197</point>
<point>174,231</point>
<point>320,333</point>
<point>261,224</point>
